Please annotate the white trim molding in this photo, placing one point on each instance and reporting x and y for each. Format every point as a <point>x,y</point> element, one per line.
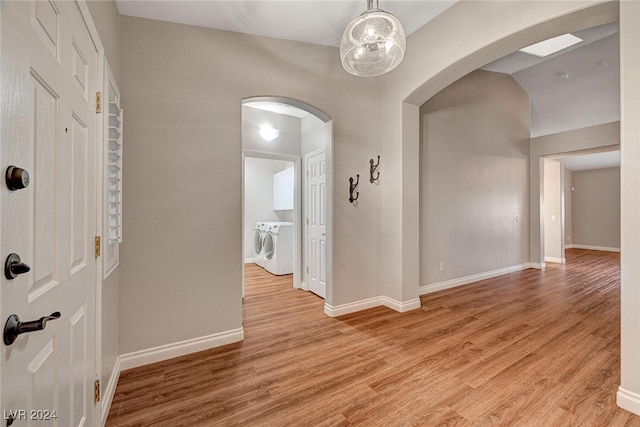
<point>169,351</point>
<point>447,284</point>
<point>250,260</point>
<point>537,265</point>
<point>593,248</point>
<point>556,260</point>
<point>628,400</point>
<point>352,307</point>
<point>108,392</point>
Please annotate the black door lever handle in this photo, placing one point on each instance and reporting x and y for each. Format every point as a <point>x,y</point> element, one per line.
<point>15,327</point>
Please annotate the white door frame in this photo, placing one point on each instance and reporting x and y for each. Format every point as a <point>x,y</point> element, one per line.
<point>102,408</point>
<point>328,121</point>
<point>556,153</point>
<point>297,230</point>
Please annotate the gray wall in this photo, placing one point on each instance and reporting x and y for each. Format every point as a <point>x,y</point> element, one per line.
<point>107,20</point>
<point>182,88</point>
<point>313,134</point>
<point>596,208</point>
<point>474,187</point>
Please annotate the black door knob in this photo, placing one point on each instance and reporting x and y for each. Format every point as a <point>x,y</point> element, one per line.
<point>13,266</point>
<point>15,327</point>
<point>16,178</point>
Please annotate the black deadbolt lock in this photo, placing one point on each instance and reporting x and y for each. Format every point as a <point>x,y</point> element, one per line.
<point>13,266</point>
<point>16,178</point>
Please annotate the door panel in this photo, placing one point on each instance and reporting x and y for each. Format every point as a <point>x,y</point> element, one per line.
<point>44,179</point>
<point>79,164</point>
<point>316,229</point>
<point>49,75</point>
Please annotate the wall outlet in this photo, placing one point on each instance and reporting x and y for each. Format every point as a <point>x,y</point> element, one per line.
<point>442,266</point>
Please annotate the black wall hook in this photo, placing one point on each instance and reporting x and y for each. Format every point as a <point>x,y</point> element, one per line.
<point>352,188</point>
<point>372,169</point>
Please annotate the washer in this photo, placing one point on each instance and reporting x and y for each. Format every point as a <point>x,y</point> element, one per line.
<point>258,242</point>
<point>278,248</point>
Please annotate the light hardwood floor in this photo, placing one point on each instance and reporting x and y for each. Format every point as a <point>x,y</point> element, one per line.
<point>533,348</point>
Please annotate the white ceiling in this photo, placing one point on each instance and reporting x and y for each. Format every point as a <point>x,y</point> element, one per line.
<point>574,88</point>
<point>320,21</point>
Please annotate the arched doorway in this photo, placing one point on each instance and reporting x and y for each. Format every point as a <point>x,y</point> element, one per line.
<point>302,139</point>
<point>447,65</point>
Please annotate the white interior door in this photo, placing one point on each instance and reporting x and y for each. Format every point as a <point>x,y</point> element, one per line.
<point>49,75</point>
<point>316,167</point>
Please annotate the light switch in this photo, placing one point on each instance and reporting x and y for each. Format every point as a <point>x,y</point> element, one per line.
<point>554,217</point>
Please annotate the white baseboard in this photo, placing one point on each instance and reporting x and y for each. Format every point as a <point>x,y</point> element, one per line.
<point>108,392</point>
<point>401,306</point>
<point>352,307</point>
<point>169,351</point>
<point>447,284</point>
<point>628,400</point>
<point>537,265</point>
<point>250,260</point>
<point>593,248</point>
<point>556,260</point>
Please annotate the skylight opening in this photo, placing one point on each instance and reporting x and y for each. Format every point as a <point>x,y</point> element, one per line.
<point>551,46</point>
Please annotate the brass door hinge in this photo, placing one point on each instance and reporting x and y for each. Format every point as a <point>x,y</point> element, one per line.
<point>98,102</point>
<point>96,391</point>
<point>307,269</point>
<point>97,246</point>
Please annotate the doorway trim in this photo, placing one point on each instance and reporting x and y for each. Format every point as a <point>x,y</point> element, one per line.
<point>591,139</point>
<point>328,121</point>
<point>297,262</point>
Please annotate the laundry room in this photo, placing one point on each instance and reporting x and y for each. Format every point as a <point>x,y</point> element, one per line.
<point>268,207</point>
<point>281,139</point>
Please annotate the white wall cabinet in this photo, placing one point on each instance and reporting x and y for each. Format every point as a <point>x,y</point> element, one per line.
<point>283,190</point>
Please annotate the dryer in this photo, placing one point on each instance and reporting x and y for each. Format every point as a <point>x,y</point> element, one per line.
<point>278,248</point>
<point>258,242</point>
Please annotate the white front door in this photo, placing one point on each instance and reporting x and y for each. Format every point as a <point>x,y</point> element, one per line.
<point>49,76</point>
<point>316,167</point>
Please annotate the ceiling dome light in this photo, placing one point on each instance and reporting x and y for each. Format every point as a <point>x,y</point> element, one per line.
<point>373,43</point>
<point>269,133</point>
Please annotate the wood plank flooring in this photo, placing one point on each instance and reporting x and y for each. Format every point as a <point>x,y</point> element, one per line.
<point>532,348</point>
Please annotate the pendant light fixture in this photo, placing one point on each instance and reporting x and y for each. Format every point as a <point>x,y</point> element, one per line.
<point>373,43</point>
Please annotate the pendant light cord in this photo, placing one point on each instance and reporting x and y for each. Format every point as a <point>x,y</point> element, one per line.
<point>370,4</point>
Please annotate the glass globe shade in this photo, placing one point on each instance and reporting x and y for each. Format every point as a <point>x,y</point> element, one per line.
<point>372,44</point>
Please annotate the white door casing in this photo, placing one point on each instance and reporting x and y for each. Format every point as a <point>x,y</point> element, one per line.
<point>49,78</point>
<point>316,228</point>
